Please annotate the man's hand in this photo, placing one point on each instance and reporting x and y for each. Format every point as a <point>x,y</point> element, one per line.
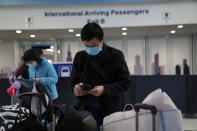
<point>97,91</point>
<point>37,80</point>
<point>78,91</point>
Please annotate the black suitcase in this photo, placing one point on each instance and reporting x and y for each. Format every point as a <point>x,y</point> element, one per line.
<point>153,110</point>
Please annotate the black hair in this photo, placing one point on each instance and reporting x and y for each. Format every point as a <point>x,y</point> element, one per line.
<point>90,31</point>
<point>32,55</point>
<point>40,52</point>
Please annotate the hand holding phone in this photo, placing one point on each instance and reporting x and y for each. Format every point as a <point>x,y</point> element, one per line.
<point>86,87</point>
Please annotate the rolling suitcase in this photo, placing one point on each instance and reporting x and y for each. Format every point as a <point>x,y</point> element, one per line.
<point>153,111</point>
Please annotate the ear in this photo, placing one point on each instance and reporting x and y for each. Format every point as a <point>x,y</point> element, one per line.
<point>103,39</point>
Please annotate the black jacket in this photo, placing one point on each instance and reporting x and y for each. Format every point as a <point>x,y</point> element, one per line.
<point>108,68</point>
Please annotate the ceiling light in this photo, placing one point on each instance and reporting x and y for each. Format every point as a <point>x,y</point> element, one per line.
<point>50,50</point>
<point>78,35</point>
<point>180,26</point>
<point>18,31</point>
<point>58,51</point>
<point>124,28</point>
<point>52,39</point>
<point>32,36</point>
<point>70,30</point>
<point>172,31</point>
<point>124,33</point>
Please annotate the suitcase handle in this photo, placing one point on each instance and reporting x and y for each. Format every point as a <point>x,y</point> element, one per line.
<point>29,94</point>
<point>152,108</point>
<point>126,106</point>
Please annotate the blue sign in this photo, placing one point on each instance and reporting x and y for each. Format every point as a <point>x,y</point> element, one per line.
<point>51,2</point>
<point>63,69</point>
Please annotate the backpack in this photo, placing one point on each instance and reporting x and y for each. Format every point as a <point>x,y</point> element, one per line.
<point>28,124</point>
<point>39,105</point>
<point>32,121</point>
<point>73,119</point>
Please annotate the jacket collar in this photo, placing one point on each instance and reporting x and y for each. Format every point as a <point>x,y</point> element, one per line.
<point>104,49</point>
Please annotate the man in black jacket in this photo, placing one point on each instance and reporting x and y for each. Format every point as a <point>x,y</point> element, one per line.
<point>104,69</point>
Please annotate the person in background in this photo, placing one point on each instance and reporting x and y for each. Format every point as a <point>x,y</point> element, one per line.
<point>104,70</point>
<point>17,87</point>
<point>40,71</point>
<point>23,71</point>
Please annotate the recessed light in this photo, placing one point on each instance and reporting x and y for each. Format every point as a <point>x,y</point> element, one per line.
<point>180,26</point>
<point>32,36</point>
<point>52,39</point>
<point>124,28</point>
<point>71,30</point>
<point>172,31</point>
<point>124,33</point>
<point>18,31</point>
<point>78,35</point>
<point>50,50</point>
<point>58,51</point>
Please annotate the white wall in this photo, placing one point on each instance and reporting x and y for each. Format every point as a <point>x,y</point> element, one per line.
<point>180,50</point>
<point>182,12</point>
<point>194,51</point>
<point>158,45</point>
<point>17,53</point>
<point>7,54</point>
<point>136,46</point>
<point>75,46</point>
<point>7,63</point>
<point>10,52</point>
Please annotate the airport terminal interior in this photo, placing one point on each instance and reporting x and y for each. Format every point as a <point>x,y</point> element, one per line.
<point>158,68</point>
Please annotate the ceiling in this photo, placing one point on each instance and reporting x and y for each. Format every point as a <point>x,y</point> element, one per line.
<point>48,35</point>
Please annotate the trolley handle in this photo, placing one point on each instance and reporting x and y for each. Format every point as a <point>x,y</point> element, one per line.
<point>29,94</point>
<point>152,108</point>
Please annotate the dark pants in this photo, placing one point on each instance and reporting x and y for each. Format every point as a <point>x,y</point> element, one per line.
<point>95,107</point>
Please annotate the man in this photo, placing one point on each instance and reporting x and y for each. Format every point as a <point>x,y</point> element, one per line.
<point>103,68</point>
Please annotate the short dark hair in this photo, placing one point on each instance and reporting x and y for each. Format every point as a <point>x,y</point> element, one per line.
<point>90,31</point>
<point>40,52</point>
<point>32,55</point>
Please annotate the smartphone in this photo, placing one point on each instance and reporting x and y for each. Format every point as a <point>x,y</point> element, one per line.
<point>86,87</point>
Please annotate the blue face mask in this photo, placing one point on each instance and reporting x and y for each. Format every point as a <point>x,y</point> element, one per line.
<point>33,65</point>
<point>93,50</point>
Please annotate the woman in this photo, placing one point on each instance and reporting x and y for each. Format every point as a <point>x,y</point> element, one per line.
<point>42,72</point>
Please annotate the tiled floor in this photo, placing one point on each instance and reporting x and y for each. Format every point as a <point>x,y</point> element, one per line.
<point>190,124</point>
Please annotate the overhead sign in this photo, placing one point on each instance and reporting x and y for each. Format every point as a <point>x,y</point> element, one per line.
<point>97,13</point>
<point>49,2</point>
<point>107,15</point>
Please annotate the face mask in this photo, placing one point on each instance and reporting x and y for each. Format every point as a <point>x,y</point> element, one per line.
<point>93,50</point>
<point>34,64</point>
